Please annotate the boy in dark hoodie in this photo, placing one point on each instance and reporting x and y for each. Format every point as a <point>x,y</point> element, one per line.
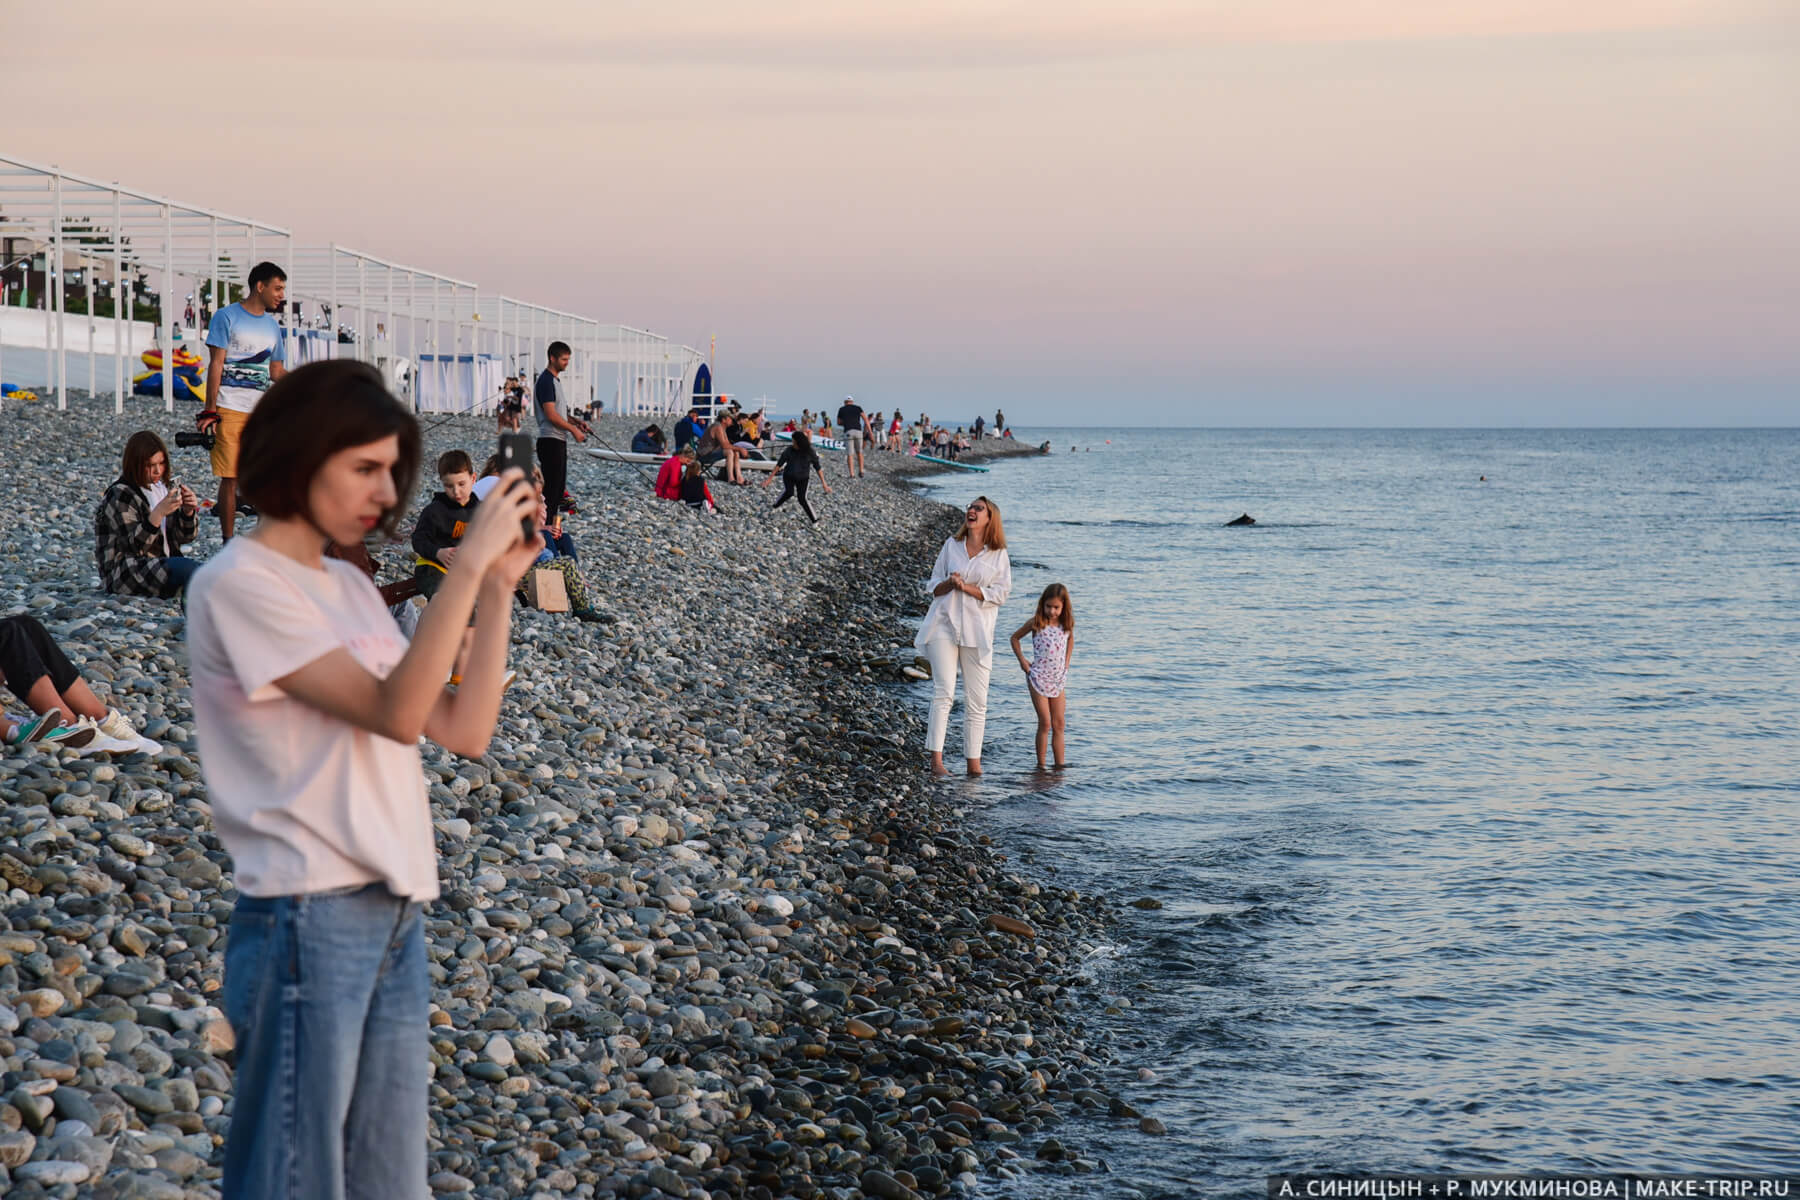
<point>443,521</point>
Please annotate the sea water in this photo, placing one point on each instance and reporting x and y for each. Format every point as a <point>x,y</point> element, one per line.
<point>1466,778</point>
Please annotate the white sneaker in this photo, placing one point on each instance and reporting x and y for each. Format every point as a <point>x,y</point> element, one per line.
<point>119,728</point>
<point>101,742</point>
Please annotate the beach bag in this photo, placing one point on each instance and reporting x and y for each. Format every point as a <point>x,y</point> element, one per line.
<point>546,591</point>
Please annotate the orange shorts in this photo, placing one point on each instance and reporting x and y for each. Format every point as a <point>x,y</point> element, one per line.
<point>225,442</point>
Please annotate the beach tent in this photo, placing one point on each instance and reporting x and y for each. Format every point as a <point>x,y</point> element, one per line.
<point>457,382</point>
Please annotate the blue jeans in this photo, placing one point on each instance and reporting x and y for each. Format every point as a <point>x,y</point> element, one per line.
<point>181,569</point>
<point>563,546</point>
<point>327,995</point>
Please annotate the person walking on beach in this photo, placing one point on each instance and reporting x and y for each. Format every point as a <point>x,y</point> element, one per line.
<point>309,706</point>
<point>795,466</point>
<point>246,356</point>
<point>855,424</point>
<point>969,582</point>
<point>1052,630</point>
<point>554,428</point>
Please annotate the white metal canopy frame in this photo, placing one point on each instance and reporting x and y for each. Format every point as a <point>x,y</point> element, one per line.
<point>438,340</point>
<point>374,302</point>
<point>123,233</point>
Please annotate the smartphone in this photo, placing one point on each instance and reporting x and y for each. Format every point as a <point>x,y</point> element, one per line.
<point>515,451</point>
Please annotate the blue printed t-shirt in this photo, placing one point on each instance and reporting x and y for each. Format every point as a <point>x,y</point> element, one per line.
<point>251,344</point>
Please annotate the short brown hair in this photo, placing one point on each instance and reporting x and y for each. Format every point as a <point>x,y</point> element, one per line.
<point>453,462</point>
<point>140,448</point>
<point>309,415</point>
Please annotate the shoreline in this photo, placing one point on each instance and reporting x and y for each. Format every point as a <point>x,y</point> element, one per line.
<point>706,925</point>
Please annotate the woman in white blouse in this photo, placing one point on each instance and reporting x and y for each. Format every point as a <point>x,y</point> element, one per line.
<point>968,584</point>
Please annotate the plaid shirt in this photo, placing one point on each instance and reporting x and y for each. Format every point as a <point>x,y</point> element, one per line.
<point>128,548</point>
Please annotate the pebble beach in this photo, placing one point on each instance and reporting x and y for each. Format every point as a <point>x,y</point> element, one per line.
<point>707,928</point>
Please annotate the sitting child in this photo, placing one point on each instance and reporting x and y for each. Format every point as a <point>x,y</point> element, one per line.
<point>694,490</point>
<point>443,521</point>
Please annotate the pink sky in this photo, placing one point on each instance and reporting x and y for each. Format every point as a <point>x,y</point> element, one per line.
<point>950,199</point>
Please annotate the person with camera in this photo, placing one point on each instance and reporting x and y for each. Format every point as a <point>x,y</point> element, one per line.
<point>511,412</point>
<point>142,524</point>
<point>309,706</point>
<point>247,355</point>
<point>554,428</point>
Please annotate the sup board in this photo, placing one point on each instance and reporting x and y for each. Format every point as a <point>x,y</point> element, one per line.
<point>819,443</point>
<point>949,462</point>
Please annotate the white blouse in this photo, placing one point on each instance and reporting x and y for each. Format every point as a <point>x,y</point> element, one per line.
<point>958,616</point>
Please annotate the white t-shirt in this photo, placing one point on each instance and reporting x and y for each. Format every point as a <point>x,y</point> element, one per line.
<point>303,801</point>
<point>958,617</point>
<point>486,484</point>
<point>155,494</point>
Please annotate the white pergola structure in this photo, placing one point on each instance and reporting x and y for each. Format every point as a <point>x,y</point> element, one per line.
<point>655,376</point>
<point>122,232</point>
<point>376,300</point>
<point>522,332</point>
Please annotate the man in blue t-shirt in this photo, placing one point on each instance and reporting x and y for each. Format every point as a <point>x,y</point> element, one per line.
<point>247,354</point>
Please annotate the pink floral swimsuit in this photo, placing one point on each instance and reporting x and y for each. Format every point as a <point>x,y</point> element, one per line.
<point>1049,661</point>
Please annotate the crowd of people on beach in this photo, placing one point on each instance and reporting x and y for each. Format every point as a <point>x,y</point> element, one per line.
<point>313,686</point>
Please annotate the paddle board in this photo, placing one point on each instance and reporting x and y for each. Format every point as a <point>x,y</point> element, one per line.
<point>949,462</point>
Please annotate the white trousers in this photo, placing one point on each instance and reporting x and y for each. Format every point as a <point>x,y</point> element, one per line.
<point>944,657</point>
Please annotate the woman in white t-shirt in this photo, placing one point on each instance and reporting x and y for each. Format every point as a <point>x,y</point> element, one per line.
<point>969,582</point>
<point>309,706</point>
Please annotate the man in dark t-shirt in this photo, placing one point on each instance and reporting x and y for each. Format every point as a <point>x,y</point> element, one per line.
<point>554,426</point>
<point>855,423</point>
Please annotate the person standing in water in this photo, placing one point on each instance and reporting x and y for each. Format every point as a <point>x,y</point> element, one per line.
<point>1052,630</point>
<point>969,582</point>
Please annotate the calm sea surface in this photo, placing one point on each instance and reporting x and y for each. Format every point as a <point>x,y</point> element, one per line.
<point>1471,805</point>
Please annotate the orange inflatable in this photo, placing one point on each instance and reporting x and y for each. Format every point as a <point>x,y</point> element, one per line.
<point>184,359</point>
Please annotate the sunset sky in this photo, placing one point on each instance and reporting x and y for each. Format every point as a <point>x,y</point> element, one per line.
<point>1343,212</point>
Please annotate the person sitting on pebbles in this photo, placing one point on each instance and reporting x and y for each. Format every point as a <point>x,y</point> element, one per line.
<point>669,475</point>
<point>65,711</point>
<point>142,524</point>
<point>648,440</point>
<point>440,528</point>
<point>559,555</point>
<point>443,521</point>
<point>716,447</point>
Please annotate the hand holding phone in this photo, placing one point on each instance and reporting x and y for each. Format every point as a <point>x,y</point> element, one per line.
<point>515,451</point>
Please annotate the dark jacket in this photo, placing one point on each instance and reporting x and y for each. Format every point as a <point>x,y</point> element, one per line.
<point>441,524</point>
<point>128,548</point>
<point>687,430</point>
<point>646,442</point>
<point>795,463</point>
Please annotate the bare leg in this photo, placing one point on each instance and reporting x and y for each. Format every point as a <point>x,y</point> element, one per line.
<point>974,767</point>
<point>1042,704</point>
<point>81,698</point>
<point>227,506</point>
<point>937,764</point>
<point>41,697</point>
<point>1056,726</point>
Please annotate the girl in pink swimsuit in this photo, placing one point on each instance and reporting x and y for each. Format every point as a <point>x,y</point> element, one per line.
<point>1052,630</point>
